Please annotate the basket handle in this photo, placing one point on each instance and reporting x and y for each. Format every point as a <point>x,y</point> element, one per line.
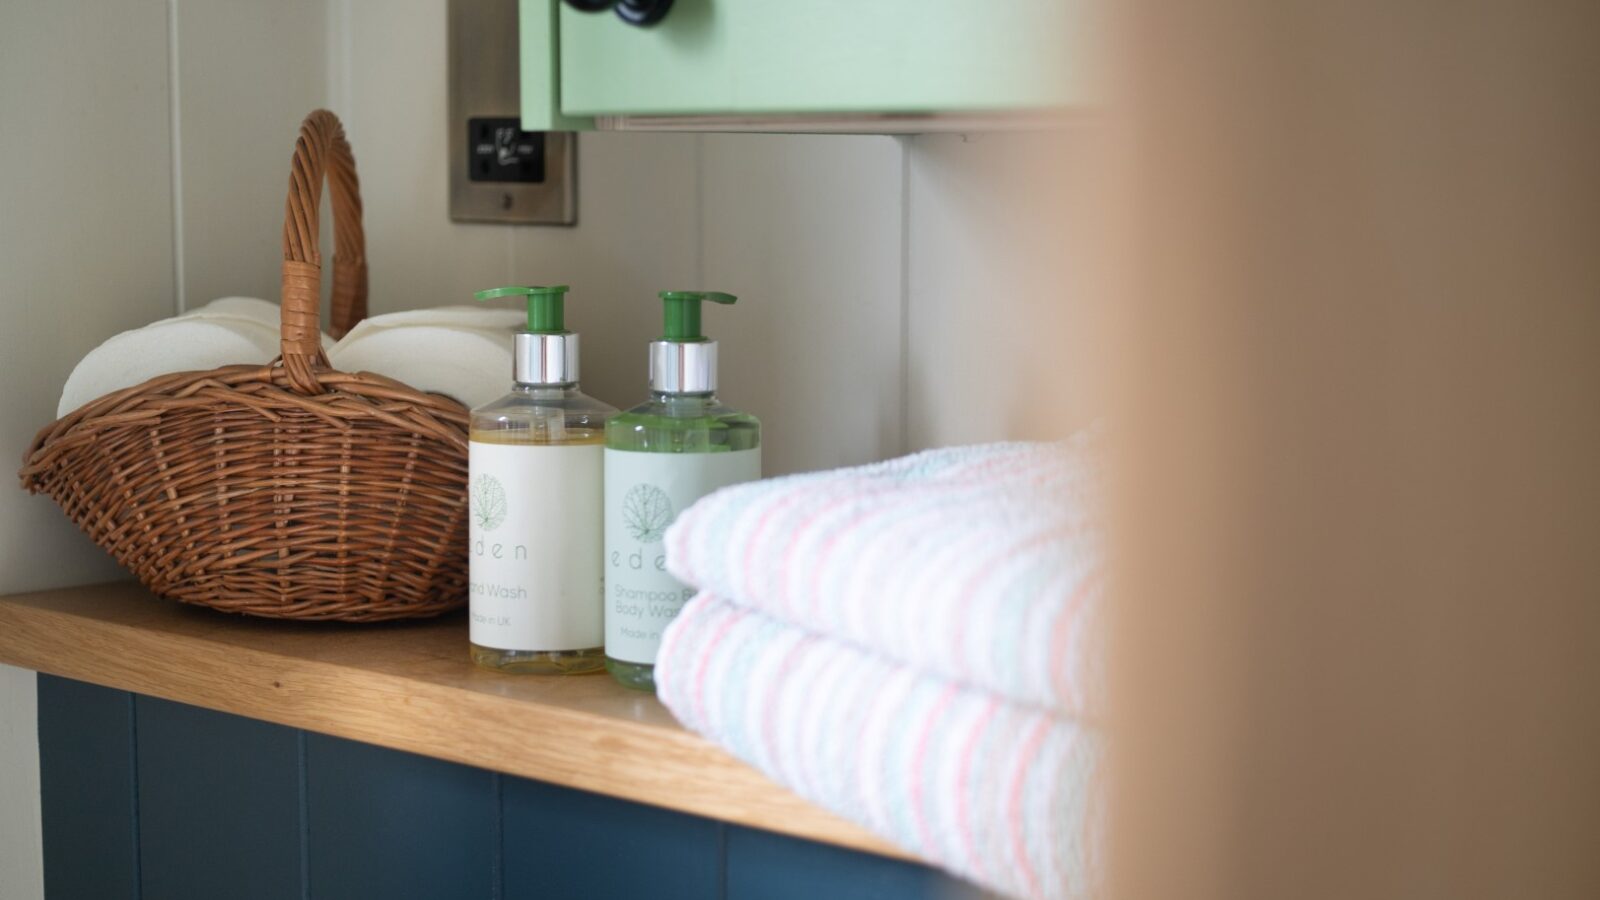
<point>321,151</point>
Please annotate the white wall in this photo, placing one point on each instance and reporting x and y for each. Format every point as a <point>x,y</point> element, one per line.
<point>153,167</point>
<point>85,250</point>
<point>997,275</point>
<point>247,72</point>
<point>893,290</point>
<point>806,230</point>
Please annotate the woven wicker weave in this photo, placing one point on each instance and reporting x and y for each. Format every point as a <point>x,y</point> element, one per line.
<point>289,490</point>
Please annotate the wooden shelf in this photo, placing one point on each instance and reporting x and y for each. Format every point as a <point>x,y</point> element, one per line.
<point>407,686</point>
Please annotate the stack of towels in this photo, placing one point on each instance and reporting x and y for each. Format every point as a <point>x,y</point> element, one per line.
<point>915,645</point>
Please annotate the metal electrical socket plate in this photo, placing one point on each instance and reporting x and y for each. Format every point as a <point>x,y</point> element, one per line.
<point>499,173</point>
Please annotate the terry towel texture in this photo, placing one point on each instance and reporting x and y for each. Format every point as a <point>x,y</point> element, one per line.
<point>913,645</point>
<point>995,791</point>
<point>982,564</point>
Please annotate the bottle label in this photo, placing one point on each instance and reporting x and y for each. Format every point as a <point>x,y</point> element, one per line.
<point>645,492</point>
<point>534,545</point>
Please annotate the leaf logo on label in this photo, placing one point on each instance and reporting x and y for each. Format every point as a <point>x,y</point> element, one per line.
<point>488,502</point>
<point>647,511</point>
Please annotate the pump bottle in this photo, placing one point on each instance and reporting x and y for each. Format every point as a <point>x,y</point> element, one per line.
<point>660,457</point>
<point>535,461</point>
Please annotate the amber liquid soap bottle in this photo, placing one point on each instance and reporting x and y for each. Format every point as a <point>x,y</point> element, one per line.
<point>535,538</point>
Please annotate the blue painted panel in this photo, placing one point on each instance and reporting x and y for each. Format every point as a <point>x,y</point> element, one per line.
<point>385,824</point>
<point>219,804</point>
<point>561,842</point>
<point>767,866</point>
<point>202,804</point>
<point>87,791</point>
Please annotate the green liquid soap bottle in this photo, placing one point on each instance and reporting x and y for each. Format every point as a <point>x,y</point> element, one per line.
<point>535,475</point>
<point>661,456</point>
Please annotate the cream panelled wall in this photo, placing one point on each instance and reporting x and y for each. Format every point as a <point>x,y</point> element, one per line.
<point>152,168</point>
<point>248,72</point>
<point>895,293</point>
<point>86,249</point>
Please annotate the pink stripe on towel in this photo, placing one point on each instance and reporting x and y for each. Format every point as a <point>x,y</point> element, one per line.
<point>919,766</point>
<point>913,645</point>
<point>853,554</point>
<point>1068,686</point>
<point>964,786</point>
<point>708,654</point>
<point>989,789</point>
<point>1015,819</point>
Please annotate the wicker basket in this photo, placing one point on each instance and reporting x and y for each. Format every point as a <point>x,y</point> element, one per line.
<point>288,490</point>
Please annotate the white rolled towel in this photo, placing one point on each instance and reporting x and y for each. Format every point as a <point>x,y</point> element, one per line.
<point>264,311</point>
<point>461,351</point>
<point>228,331</point>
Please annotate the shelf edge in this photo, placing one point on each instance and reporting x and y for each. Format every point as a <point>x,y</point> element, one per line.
<point>644,763</point>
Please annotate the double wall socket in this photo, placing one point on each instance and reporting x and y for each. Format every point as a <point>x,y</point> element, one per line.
<point>498,172</point>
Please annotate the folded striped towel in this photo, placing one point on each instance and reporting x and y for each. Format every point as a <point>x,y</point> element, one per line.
<point>982,564</point>
<point>1000,793</point>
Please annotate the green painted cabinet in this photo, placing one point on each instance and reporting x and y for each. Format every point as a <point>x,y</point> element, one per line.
<point>806,58</point>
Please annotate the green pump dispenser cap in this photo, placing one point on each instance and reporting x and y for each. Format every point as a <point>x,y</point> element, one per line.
<point>547,353</point>
<point>545,312</point>
<point>683,361</point>
<point>681,314</point>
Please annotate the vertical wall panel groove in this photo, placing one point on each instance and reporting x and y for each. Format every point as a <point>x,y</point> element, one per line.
<point>303,808</point>
<point>134,829</point>
<point>175,128</point>
<point>722,861</point>
<point>497,863</point>
<point>904,373</point>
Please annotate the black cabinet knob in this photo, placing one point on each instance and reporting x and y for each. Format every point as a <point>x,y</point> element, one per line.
<point>634,12</point>
<point>642,12</point>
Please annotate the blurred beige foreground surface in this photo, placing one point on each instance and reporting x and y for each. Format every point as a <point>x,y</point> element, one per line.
<point>1359,364</point>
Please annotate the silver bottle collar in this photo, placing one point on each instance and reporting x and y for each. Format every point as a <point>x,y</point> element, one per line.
<point>545,358</point>
<point>683,368</point>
